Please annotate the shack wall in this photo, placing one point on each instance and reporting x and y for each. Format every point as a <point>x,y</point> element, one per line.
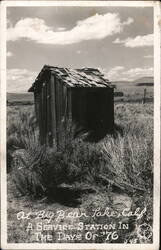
<point>58,105</point>
<point>93,109</point>
<point>60,110</point>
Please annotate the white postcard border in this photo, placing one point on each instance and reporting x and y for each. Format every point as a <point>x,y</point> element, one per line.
<point>157,79</point>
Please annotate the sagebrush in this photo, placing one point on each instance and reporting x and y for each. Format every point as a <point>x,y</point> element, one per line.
<point>124,159</point>
<point>119,164</point>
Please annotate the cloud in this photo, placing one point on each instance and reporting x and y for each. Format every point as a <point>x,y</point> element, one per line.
<point>9,54</point>
<point>9,23</point>
<point>129,21</point>
<point>120,73</point>
<point>114,73</point>
<point>94,27</point>
<point>20,80</point>
<point>138,72</point>
<point>138,41</point>
<point>84,52</point>
<point>79,52</point>
<point>149,56</point>
<point>61,28</point>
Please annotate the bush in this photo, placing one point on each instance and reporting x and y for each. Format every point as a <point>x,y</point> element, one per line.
<point>123,160</point>
<point>120,162</point>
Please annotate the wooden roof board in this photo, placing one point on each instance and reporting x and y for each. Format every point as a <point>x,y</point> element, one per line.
<point>84,77</point>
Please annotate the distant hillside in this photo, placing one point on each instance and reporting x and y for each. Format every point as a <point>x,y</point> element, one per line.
<point>144,81</point>
<point>133,91</point>
<point>121,83</point>
<point>20,98</point>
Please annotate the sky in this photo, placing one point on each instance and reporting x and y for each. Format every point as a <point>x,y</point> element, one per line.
<point>116,40</point>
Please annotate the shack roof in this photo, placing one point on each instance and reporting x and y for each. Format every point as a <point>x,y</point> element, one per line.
<point>84,77</point>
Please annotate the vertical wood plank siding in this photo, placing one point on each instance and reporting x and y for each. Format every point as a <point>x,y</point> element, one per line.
<point>53,109</point>
<point>57,110</point>
<point>49,115</point>
<point>45,112</point>
<point>58,106</point>
<point>36,98</point>
<point>65,115</point>
<point>41,117</point>
<point>61,113</point>
<point>69,97</point>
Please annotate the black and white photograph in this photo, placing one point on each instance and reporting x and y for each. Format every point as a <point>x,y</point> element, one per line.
<point>82,132</point>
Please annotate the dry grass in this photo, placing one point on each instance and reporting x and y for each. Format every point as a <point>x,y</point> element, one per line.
<point>119,163</point>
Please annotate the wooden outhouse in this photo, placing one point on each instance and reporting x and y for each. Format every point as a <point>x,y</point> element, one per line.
<point>64,96</point>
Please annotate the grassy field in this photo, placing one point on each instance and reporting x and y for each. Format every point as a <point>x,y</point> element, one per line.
<point>20,99</point>
<point>84,180</point>
<point>134,91</point>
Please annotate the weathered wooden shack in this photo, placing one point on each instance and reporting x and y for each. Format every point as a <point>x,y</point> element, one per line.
<point>64,96</point>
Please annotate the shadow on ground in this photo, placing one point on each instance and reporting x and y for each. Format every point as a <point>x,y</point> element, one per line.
<point>67,196</point>
<point>100,133</point>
